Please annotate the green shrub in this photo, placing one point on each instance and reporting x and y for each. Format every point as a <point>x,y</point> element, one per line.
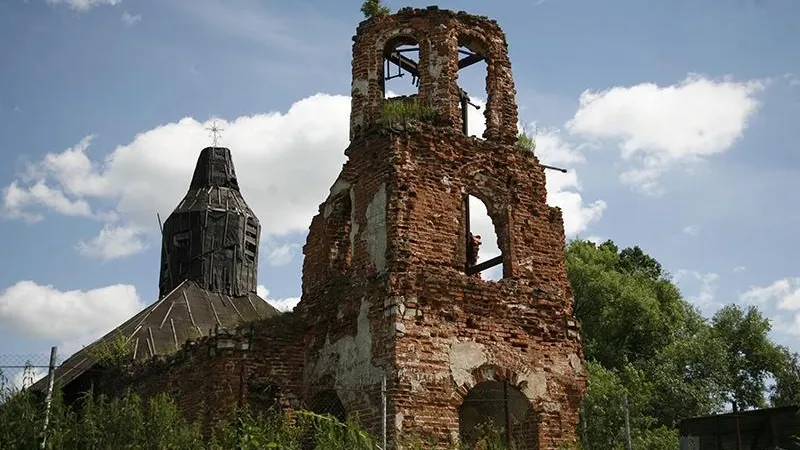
<point>371,8</point>
<point>112,353</point>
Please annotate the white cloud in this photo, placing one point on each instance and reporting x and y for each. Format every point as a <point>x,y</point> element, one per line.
<point>276,254</point>
<point>84,5</point>
<point>41,311</point>
<point>273,155</point>
<point>16,198</point>
<point>660,127</point>
<point>792,79</point>
<point>130,19</point>
<point>596,240</point>
<point>785,294</point>
<point>114,242</point>
<point>281,304</point>
<point>285,162</point>
<point>563,189</point>
<point>738,269</point>
<point>706,287</point>
<point>691,230</point>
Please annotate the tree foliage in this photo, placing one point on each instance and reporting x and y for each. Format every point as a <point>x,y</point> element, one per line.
<point>643,341</point>
<point>371,8</point>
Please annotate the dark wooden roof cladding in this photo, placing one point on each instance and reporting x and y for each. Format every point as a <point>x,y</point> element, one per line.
<point>212,236</point>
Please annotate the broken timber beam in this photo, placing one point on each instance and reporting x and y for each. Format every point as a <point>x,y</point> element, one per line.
<point>485,265</point>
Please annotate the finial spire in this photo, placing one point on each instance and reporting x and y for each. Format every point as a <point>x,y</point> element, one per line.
<point>215,133</point>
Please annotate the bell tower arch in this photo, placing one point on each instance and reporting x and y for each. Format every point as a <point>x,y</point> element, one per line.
<point>437,36</point>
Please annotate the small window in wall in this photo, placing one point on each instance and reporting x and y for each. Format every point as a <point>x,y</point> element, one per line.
<point>401,67</point>
<point>472,73</point>
<point>180,239</point>
<point>483,255</point>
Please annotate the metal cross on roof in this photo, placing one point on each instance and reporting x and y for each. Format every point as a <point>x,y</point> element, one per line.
<point>215,133</point>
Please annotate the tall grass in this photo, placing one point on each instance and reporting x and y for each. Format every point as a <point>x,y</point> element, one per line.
<point>97,422</point>
<point>401,111</point>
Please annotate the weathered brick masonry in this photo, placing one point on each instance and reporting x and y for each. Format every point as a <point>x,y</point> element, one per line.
<point>385,292</point>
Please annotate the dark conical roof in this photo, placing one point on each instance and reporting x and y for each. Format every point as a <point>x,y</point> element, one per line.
<point>212,236</point>
<point>214,168</point>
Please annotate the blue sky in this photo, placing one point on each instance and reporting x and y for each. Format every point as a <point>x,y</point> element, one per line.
<point>677,119</point>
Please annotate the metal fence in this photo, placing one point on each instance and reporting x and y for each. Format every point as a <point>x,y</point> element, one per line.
<point>24,374</point>
<point>21,371</point>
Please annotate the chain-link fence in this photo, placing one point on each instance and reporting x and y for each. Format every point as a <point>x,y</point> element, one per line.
<point>19,372</point>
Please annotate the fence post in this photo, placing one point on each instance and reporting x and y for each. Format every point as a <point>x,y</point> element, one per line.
<point>584,434</point>
<point>383,412</point>
<point>51,377</point>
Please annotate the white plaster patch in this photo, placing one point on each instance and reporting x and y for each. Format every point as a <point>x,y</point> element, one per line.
<point>464,358</point>
<point>360,87</point>
<point>375,230</point>
<point>550,407</point>
<point>349,358</point>
<point>536,385</point>
<point>398,422</point>
<point>575,362</point>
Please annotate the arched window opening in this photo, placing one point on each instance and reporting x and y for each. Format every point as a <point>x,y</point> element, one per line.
<point>401,67</point>
<point>483,248</point>
<point>472,82</point>
<point>328,402</point>
<point>495,412</point>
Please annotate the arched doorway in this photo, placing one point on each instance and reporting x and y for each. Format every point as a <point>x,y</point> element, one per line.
<point>328,402</point>
<point>497,411</point>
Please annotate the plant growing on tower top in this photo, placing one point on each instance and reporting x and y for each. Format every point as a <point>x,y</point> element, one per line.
<point>372,8</point>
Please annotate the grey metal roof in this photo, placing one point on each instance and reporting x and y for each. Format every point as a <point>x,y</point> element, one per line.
<point>161,329</point>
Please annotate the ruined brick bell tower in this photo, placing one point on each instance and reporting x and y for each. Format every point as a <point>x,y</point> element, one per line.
<point>389,288</point>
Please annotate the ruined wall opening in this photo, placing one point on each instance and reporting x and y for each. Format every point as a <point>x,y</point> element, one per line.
<point>472,80</point>
<point>263,398</point>
<point>337,231</point>
<point>400,67</point>
<point>328,402</point>
<point>495,412</point>
<point>484,255</point>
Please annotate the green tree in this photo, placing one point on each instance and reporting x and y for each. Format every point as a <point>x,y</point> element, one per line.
<point>627,308</point>
<point>751,357</point>
<point>642,339</point>
<point>786,391</point>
